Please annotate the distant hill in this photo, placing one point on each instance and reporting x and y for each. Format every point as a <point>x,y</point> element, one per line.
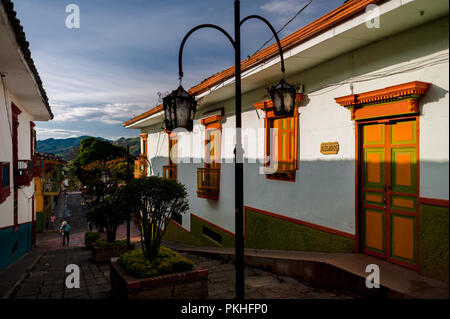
<point>68,148</point>
<point>134,142</point>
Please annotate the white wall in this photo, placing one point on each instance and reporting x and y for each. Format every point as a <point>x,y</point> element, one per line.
<point>26,193</point>
<point>324,191</point>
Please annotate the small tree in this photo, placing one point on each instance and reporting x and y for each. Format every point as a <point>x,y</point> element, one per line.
<point>109,213</point>
<point>154,200</point>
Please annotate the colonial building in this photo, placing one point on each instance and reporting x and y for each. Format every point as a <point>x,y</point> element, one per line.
<point>48,183</point>
<point>362,166</point>
<point>22,101</point>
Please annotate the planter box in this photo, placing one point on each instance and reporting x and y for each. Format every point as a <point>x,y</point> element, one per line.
<point>90,241</point>
<point>191,284</point>
<point>103,254</point>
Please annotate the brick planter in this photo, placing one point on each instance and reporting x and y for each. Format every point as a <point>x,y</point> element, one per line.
<point>191,284</point>
<point>90,241</point>
<point>102,254</point>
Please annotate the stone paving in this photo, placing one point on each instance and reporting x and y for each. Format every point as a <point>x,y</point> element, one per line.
<point>259,284</point>
<point>47,280</point>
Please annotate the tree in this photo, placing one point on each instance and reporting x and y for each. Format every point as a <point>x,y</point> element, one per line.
<point>154,200</point>
<point>95,157</point>
<point>109,213</point>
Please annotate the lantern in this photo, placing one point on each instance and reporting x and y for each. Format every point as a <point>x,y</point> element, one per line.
<point>104,177</point>
<point>179,110</point>
<point>283,98</point>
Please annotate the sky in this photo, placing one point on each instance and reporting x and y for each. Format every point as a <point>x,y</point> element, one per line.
<point>124,53</point>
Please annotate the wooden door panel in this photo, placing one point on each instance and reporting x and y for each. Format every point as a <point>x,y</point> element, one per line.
<point>373,134</point>
<point>403,237</point>
<point>374,175</point>
<point>374,225</point>
<point>399,202</point>
<point>403,133</point>
<point>403,170</point>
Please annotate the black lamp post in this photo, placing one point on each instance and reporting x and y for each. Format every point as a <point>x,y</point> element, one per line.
<point>179,109</point>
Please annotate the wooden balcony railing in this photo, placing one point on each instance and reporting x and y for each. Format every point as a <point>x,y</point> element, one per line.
<point>23,173</point>
<point>170,172</point>
<point>208,182</point>
<point>140,168</point>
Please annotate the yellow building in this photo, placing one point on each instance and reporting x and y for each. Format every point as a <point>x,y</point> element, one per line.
<point>48,181</point>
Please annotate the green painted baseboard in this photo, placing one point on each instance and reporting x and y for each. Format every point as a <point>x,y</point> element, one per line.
<point>434,241</point>
<point>263,232</point>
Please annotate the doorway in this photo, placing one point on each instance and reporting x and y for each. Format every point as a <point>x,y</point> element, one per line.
<point>389,189</point>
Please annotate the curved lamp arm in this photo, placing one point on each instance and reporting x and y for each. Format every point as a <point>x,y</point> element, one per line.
<point>180,55</point>
<point>274,34</point>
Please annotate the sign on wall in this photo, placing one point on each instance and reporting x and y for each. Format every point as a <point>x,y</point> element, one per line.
<point>329,148</point>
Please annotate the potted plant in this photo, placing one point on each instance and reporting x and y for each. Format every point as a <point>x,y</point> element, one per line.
<point>154,271</point>
<point>90,238</point>
<point>109,213</point>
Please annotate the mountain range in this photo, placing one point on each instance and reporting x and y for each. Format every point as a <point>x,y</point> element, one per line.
<point>68,148</point>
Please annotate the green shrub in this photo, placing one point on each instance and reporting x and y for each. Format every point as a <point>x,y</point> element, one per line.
<point>103,243</point>
<point>90,234</point>
<point>166,262</point>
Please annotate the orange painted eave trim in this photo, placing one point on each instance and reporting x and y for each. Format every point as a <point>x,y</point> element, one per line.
<point>341,14</point>
<point>152,111</point>
<point>414,87</point>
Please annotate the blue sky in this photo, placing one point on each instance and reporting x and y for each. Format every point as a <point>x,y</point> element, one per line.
<point>125,52</point>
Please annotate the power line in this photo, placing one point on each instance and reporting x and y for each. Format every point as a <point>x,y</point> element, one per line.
<point>283,27</point>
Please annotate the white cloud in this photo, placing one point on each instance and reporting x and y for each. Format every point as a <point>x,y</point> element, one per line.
<point>111,113</point>
<point>284,7</point>
<point>45,133</point>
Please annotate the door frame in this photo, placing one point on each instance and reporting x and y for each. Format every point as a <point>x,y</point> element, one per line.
<point>359,124</point>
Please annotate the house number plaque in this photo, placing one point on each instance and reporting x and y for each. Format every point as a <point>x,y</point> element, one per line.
<point>329,148</point>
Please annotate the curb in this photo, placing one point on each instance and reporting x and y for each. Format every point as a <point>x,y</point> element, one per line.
<point>23,276</point>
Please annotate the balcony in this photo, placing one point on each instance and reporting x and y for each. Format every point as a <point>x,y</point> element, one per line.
<point>140,168</point>
<point>37,166</point>
<point>208,182</point>
<point>51,188</point>
<point>170,172</point>
<point>23,173</point>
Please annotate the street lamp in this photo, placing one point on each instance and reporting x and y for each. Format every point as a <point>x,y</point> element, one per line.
<point>104,177</point>
<point>179,111</point>
<point>283,98</point>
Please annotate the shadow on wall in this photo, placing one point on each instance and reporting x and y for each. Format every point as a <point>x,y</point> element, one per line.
<point>324,195</point>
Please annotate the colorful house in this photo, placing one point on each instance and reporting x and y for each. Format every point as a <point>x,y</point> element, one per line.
<point>48,184</point>
<point>361,167</point>
<point>23,101</point>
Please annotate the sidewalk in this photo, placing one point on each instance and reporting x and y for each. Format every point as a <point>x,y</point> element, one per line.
<point>47,279</point>
<point>15,273</point>
<point>334,270</point>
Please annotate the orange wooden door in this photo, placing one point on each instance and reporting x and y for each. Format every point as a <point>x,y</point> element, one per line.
<point>389,190</point>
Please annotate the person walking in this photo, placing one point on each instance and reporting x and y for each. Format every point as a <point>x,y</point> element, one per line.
<point>52,222</point>
<point>65,230</point>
